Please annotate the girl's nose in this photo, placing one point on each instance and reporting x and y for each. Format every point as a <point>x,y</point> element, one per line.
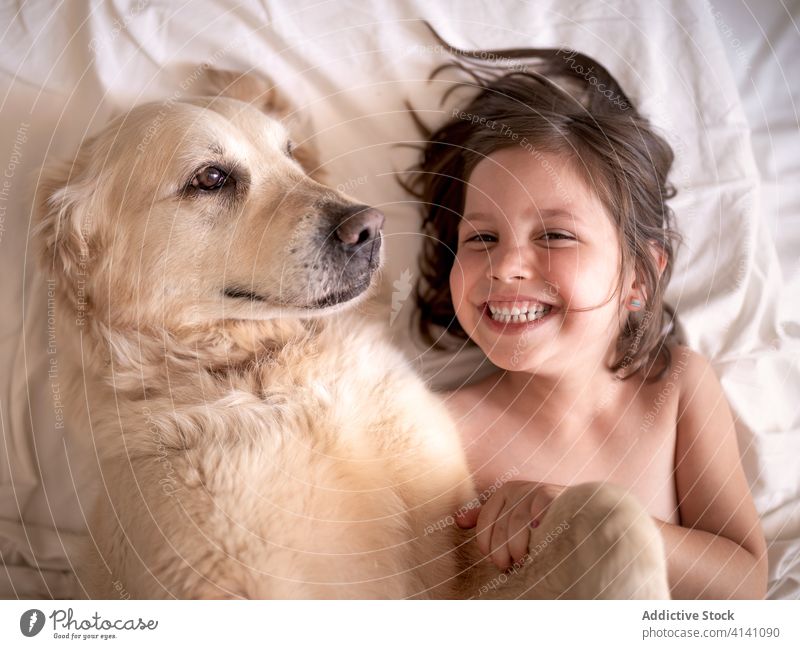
<point>508,265</point>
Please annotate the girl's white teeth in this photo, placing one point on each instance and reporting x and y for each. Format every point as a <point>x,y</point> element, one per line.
<point>518,314</point>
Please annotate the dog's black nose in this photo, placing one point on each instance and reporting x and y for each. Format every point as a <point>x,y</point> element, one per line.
<point>358,225</point>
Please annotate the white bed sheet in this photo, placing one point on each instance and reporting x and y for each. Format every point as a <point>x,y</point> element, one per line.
<point>762,42</point>
<point>350,65</point>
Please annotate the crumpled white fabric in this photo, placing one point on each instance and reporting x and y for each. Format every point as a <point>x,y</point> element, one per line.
<point>350,65</point>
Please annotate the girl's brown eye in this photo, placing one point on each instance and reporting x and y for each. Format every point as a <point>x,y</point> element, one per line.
<point>480,238</point>
<point>209,179</point>
<point>558,236</point>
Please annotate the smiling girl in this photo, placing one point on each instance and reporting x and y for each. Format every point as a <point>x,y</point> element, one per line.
<point>549,245</point>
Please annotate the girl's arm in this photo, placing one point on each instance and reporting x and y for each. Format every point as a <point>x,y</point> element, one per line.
<point>719,551</point>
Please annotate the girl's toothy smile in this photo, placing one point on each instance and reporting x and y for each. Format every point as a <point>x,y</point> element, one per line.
<point>515,317</point>
<point>517,312</point>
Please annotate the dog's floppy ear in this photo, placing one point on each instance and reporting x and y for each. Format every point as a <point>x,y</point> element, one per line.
<point>65,202</point>
<point>261,92</point>
<point>248,87</point>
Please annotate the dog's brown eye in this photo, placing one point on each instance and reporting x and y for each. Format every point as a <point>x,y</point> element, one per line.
<point>290,148</point>
<point>209,179</point>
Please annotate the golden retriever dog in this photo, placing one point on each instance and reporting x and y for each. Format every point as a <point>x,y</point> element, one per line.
<point>256,434</point>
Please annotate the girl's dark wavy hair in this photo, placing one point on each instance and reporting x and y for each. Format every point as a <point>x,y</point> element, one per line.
<point>565,103</point>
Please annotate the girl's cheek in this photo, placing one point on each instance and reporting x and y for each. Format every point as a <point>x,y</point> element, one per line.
<point>580,273</point>
<point>559,278</point>
<point>456,283</point>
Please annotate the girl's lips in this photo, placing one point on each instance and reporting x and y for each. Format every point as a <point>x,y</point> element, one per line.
<point>512,327</point>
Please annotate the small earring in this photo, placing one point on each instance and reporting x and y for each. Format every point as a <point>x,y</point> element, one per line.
<point>635,305</point>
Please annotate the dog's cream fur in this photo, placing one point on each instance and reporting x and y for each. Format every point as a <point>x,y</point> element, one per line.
<point>262,446</point>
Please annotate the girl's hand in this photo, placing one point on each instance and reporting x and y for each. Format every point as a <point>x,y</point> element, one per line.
<point>504,521</point>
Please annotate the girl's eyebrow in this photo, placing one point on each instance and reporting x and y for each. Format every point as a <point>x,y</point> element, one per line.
<point>475,216</point>
<point>554,212</point>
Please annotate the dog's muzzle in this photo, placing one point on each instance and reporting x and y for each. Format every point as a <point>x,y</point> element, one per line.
<point>352,251</point>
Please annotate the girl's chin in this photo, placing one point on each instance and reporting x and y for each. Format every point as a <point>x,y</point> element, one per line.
<point>514,363</point>
<point>511,356</point>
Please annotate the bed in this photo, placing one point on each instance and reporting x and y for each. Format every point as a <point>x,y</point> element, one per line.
<point>711,77</point>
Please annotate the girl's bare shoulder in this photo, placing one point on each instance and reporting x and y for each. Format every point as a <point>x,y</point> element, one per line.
<point>681,357</point>
<point>689,369</point>
<point>685,363</point>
